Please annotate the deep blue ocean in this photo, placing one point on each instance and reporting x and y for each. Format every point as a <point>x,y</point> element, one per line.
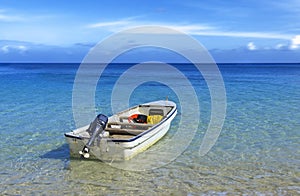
<point>257,152</point>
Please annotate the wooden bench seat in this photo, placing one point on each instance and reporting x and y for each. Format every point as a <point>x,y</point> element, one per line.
<point>129,124</point>
<point>118,131</point>
<point>121,136</point>
<point>126,128</point>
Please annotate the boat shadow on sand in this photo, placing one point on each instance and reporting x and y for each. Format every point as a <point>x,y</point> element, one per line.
<point>62,153</point>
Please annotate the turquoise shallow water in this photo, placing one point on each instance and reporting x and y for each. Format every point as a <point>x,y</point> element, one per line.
<point>256,153</point>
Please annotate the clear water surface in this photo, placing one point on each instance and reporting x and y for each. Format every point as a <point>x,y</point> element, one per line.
<point>256,153</point>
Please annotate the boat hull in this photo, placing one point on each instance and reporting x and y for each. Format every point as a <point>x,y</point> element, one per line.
<point>112,149</point>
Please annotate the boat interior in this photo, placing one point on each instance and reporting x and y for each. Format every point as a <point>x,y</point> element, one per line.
<point>134,121</point>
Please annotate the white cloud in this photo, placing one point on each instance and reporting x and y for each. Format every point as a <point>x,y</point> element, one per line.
<point>282,46</point>
<point>19,48</point>
<point>295,42</point>
<point>279,46</point>
<point>251,46</point>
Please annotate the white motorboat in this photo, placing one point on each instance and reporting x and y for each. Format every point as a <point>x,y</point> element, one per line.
<point>123,135</point>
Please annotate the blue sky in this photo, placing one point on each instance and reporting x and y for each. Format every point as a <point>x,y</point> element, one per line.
<point>233,31</point>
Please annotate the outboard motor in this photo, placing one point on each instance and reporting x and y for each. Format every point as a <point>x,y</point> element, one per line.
<point>95,128</point>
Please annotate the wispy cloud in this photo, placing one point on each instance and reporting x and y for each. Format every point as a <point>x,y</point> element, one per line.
<point>292,6</point>
<point>110,24</point>
<point>5,17</point>
<point>265,35</point>
<point>116,25</point>
<point>13,16</point>
<point>191,29</point>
